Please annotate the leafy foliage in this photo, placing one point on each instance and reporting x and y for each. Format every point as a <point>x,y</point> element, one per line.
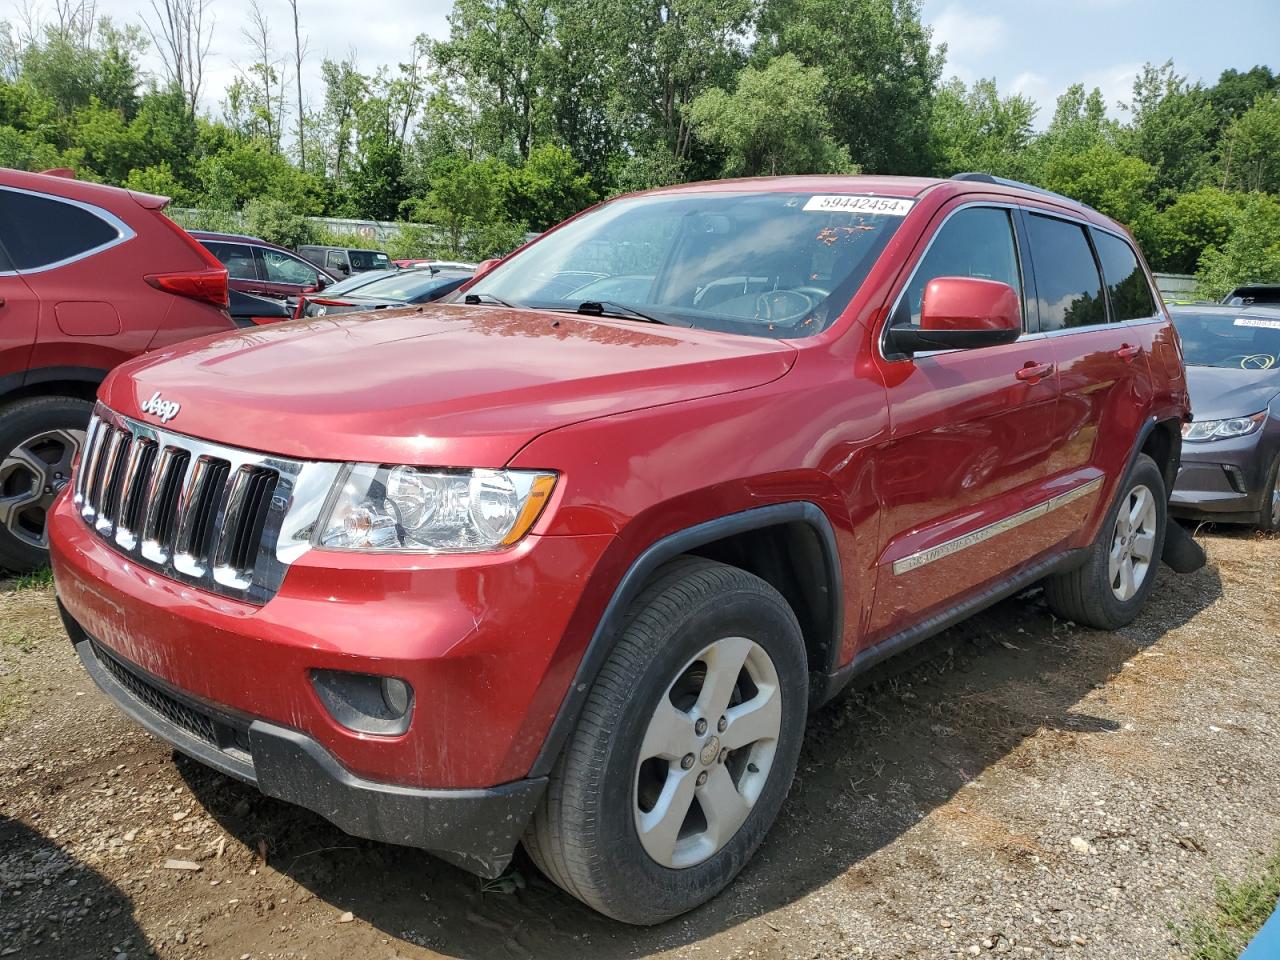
<point>530,110</point>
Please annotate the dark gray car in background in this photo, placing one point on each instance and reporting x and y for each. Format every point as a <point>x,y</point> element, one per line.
<point>1231,451</point>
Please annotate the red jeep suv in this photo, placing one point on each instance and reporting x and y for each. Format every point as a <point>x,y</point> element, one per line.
<point>568,560</point>
<point>89,276</point>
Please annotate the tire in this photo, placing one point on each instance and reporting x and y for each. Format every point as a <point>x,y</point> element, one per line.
<point>40,438</point>
<point>586,833</point>
<point>1269,515</point>
<point>1095,594</point>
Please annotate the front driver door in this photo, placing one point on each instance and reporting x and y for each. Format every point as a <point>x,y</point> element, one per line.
<point>965,474</point>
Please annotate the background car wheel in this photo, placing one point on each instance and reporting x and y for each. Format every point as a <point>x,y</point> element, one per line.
<point>40,439</point>
<point>1108,590</point>
<point>1269,519</point>
<point>685,749</point>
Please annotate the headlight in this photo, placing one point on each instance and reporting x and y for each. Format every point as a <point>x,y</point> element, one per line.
<point>1204,430</point>
<point>381,508</point>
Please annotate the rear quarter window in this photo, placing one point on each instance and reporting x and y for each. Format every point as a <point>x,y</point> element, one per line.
<point>1068,287</point>
<point>1131,297</point>
<point>39,231</point>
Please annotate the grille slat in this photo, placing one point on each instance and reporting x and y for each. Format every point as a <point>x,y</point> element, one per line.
<point>136,482</point>
<point>195,511</point>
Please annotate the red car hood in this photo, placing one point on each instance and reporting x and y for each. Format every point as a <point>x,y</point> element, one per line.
<point>446,385</point>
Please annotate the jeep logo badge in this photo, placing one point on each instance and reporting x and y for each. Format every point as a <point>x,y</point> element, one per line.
<point>166,410</point>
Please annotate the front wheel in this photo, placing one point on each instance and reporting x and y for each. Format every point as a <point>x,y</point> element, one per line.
<point>1109,589</point>
<point>685,749</point>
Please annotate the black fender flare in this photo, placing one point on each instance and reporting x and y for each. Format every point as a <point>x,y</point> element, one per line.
<point>1181,553</point>
<point>637,575</point>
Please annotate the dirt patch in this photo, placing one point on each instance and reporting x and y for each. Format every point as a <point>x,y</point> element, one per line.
<point>1017,786</point>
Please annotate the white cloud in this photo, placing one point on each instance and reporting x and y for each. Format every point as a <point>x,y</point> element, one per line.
<point>1116,84</point>
<point>969,36</point>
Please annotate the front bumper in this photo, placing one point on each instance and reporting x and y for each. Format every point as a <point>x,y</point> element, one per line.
<point>475,829</point>
<point>1222,480</point>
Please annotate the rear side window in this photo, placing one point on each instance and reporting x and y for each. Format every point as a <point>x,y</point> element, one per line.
<point>1067,281</point>
<point>1130,293</point>
<point>236,257</point>
<point>975,242</point>
<point>40,231</point>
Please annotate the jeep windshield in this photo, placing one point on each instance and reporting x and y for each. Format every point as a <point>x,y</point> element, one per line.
<point>761,263</point>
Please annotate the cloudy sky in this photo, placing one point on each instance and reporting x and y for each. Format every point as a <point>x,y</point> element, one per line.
<point>1036,47</point>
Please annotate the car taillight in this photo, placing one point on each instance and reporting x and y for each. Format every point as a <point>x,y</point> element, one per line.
<point>207,285</point>
<point>322,302</point>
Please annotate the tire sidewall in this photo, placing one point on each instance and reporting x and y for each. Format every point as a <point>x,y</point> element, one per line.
<point>635,876</point>
<point>1265,521</point>
<point>18,422</point>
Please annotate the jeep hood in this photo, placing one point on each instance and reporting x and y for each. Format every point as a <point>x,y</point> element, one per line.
<point>443,384</point>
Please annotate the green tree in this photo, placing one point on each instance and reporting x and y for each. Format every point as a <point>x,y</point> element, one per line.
<point>1235,91</point>
<point>1194,221</point>
<point>158,180</point>
<point>881,72</point>
<point>465,202</point>
<point>1109,180</point>
<point>774,122</point>
<point>1250,255</point>
<point>1251,147</point>
<point>546,188</point>
<point>977,129</point>
<point>1172,128</point>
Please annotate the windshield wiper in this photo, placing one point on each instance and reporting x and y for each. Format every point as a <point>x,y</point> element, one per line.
<point>475,299</point>
<point>607,308</point>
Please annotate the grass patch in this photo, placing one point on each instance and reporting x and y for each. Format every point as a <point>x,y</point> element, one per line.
<point>1239,911</point>
<point>36,580</point>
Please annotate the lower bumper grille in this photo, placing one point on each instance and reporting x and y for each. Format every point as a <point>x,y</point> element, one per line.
<point>218,731</point>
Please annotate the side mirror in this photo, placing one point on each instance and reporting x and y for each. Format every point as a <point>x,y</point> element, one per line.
<point>484,266</point>
<point>960,313</point>
<point>320,284</point>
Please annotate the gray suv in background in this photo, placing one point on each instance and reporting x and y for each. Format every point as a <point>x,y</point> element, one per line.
<point>1231,451</point>
<point>346,260</point>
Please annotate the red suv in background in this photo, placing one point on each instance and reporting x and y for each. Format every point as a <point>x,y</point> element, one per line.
<point>89,276</point>
<point>567,561</point>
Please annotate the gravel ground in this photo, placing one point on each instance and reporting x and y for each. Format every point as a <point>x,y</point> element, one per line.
<point>1018,786</point>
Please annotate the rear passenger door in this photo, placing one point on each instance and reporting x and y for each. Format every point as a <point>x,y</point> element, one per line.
<point>1101,329</point>
<point>967,466</point>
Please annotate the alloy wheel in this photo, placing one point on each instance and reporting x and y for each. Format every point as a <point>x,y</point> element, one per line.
<point>1133,543</point>
<point>31,476</point>
<point>707,752</point>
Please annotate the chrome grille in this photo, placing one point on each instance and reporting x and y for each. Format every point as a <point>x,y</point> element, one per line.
<point>221,518</point>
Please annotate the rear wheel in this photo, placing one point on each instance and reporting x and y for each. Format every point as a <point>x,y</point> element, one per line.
<point>1109,589</point>
<point>685,749</point>
<point>40,439</point>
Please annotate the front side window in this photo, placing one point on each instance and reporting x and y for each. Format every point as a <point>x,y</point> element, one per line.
<point>762,263</point>
<point>1067,282</point>
<point>1131,297</point>
<point>369,260</point>
<point>335,260</point>
<point>282,268</point>
<point>974,242</point>
<point>236,257</point>
<point>41,231</point>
